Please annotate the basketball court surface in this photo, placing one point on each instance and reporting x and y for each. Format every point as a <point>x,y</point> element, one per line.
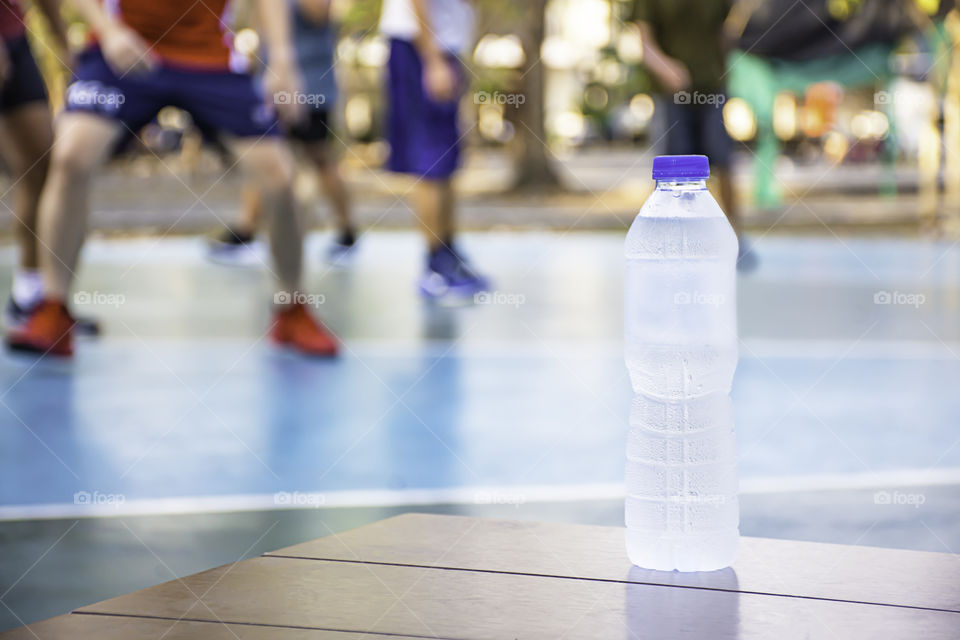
<point>847,411</point>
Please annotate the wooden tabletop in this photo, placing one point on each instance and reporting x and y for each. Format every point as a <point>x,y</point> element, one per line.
<point>428,576</point>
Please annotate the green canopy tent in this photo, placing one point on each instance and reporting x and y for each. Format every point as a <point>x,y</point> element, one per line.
<point>787,46</point>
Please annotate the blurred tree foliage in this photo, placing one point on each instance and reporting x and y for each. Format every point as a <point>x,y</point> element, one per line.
<point>533,168</point>
<point>360,16</point>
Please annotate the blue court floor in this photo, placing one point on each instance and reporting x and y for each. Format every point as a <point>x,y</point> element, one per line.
<point>846,393</point>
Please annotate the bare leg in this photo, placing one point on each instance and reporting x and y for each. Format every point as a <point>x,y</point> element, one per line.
<point>250,211</point>
<point>434,202</point>
<point>269,164</point>
<point>333,186</point>
<point>82,144</point>
<point>728,197</point>
<point>26,135</point>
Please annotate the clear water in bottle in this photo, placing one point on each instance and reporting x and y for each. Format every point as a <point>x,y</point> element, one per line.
<point>681,351</point>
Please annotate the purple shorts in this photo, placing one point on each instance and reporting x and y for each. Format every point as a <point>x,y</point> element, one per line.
<point>218,101</point>
<point>423,134</point>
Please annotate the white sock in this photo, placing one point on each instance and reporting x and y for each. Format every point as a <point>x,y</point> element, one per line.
<point>27,287</point>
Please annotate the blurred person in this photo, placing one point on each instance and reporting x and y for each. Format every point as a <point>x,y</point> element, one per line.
<point>314,40</point>
<point>424,83</point>
<point>684,50</point>
<point>26,135</point>
<point>148,55</point>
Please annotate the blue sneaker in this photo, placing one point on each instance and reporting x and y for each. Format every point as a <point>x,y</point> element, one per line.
<point>746,256</point>
<point>236,249</point>
<point>449,277</point>
<point>341,251</point>
<point>15,316</point>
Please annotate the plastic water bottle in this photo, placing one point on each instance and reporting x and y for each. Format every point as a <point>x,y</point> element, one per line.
<point>681,352</point>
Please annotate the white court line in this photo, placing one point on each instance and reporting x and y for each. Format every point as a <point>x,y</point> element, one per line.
<point>480,496</point>
<point>752,349</point>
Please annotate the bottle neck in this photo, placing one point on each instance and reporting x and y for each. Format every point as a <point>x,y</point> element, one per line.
<point>682,184</point>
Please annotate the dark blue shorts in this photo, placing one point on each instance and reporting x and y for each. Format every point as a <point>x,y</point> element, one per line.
<point>314,127</point>
<point>25,84</point>
<point>697,129</point>
<point>423,134</point>
<point>218,101</point>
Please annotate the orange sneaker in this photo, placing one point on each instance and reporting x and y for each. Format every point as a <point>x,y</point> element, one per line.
<point>49,329</point>
<point>294,326</point>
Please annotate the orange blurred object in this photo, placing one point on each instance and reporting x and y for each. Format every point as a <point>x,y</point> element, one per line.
<point>820,108</point>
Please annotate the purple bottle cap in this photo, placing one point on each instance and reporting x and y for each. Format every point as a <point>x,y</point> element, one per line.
<point>681,168</point>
